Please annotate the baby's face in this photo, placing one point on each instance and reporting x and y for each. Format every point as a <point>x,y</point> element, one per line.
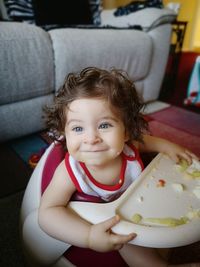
<point>95,135</point>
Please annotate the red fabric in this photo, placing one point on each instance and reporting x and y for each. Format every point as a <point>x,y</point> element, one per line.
<point>190,141</point>
<point>53,159</point>
<point>104,186</point>
<point>71,173</point>
<point>82,257</point>
<point>178,118</point>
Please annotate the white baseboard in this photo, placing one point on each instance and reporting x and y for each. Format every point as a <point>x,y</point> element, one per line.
<point>155,106</point>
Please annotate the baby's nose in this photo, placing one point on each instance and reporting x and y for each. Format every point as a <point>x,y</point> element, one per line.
<point>92,137</point>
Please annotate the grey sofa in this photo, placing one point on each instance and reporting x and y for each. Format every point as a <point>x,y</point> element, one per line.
<point>34,62</point>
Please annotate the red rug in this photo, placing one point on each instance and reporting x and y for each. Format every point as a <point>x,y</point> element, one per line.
<point>177,125</point>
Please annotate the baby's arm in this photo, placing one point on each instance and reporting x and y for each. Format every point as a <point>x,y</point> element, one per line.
<point>175,151</point>
<point>60,222</point>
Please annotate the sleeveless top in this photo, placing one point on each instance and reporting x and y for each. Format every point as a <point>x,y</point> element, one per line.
<point>131,168</point>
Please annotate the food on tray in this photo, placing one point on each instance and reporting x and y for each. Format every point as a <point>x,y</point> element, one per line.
<point>194,169</point>
<point>195,174</point>
<point>196,191</point>
<point>168,221</point>
<point>161,183</point>
<point>182,165</point>
<point>193,214</point>
<point>178,187</point>
<point>136,218</point>
<point>140,199</point>
<point>191,171</point>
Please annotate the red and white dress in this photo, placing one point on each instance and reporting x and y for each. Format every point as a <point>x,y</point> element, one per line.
<point>131,168</point>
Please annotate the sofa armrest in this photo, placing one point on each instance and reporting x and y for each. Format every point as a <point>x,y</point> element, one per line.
<point>160,37</point>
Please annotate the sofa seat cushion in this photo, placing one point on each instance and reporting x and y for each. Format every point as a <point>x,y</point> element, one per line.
<point>75,49</point>
<point>27,70</point>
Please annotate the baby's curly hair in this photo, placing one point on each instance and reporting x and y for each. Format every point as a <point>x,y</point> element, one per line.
<point>114,86</point>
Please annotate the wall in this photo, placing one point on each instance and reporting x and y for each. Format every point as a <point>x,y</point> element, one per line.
<point>189,11</point>
<point>196,34</point>
<point>109,4</point>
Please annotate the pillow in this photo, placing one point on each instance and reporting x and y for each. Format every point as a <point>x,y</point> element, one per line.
<point>96,8</point>
<point>20,10</point>
<point>23,10</point>
<point>3,12</point>
<point>137,5</point>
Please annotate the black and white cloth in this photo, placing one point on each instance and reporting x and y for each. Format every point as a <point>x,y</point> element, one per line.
<point>20,10</point>
<point>137,5</point>
<point>23,10</point>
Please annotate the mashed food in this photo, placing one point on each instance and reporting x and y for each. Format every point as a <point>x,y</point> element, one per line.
<point>192,171</point>
<point>168,221</point>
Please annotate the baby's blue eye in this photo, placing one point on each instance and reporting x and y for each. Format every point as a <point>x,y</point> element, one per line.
<point>77,129</point>
<point>105,125</point>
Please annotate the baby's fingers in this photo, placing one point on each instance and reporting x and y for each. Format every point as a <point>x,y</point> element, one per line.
<point>191,155</point>
<point>120,240</point>
<point>188,155</point>
<point>108,224</point>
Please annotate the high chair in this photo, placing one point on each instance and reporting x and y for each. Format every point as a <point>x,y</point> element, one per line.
<point>40,249</point>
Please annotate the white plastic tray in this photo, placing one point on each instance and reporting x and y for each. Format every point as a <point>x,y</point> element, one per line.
<point>146,198</point>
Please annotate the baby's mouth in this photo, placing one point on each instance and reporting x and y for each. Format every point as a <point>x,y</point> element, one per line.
<point>94,151</point>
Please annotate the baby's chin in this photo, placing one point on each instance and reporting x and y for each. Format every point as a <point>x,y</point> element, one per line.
<point>97,159</point>
<point>89,159</point>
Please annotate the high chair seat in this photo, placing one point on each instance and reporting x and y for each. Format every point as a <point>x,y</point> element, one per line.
<point>41,249</point>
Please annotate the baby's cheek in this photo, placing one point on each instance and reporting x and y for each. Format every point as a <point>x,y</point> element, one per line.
<point>71,147</point>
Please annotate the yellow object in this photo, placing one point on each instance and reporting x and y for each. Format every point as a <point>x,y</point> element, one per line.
<point>136,218</point>
<point>195,174</point>
<point>167,221</point>
<point>191,171</point>
<point>189,11</point>
<point>194,169</point>
<point>182,165</point>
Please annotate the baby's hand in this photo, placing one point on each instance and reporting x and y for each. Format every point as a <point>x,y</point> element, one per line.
<point>102,239</point>
<point>177,153</point>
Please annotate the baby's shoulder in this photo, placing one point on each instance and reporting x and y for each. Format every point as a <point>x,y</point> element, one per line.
<point>61,169</point>
<point>62,178</point>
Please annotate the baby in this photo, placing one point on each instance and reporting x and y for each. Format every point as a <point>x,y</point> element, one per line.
<point>98,113</point>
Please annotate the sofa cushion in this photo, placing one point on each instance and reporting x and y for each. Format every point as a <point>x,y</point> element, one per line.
<point>27,70</point>
<point>23,10</point>
<point>20,10</point>
<point>75,49</point>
